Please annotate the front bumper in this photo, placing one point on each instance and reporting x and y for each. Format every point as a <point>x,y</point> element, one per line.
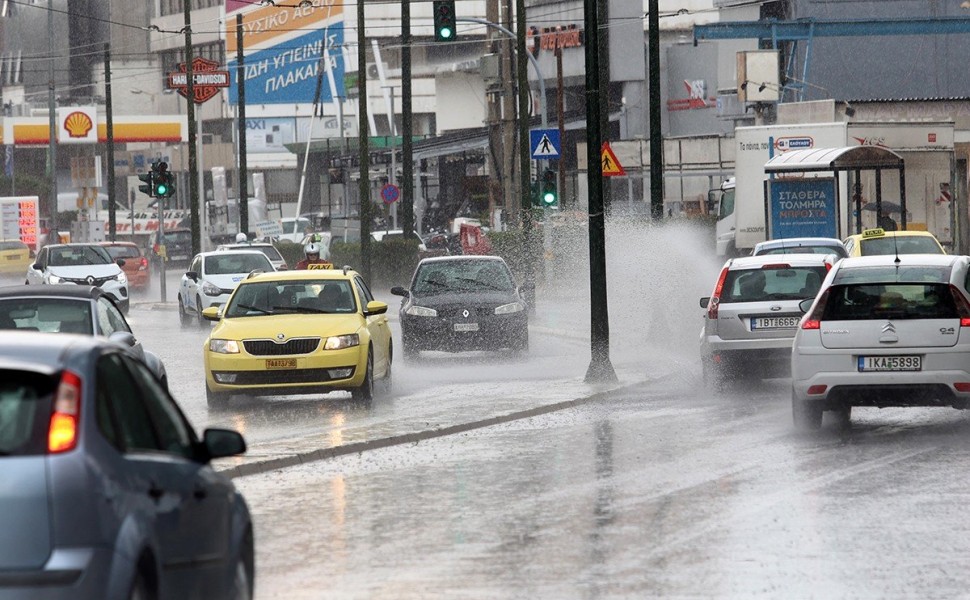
<point>217,301</point>
<point>318,371</point>
<point>493,332</point>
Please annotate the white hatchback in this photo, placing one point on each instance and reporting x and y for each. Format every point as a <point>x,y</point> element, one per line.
<point>884,331</point>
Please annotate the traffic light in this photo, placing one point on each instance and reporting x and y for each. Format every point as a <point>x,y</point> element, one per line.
<point>548,195</point>
<point>149,180</point>
<point>163,184</point>
<point>444,21</point>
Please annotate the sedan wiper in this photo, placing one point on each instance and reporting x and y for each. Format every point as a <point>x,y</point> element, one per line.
<point>479,282</point>
<point>256,308</point>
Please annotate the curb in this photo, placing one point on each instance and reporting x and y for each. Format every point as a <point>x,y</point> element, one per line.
<point>263,466</point>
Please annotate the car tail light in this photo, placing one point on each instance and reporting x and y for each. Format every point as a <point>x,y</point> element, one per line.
<point>62,433</point>
<point>716,296</point>
<point>813,320</point>
<point>962,386</point>
<point>143,264</point>
<point>828,266</point>
<point>815,390</point>
<point>776,266</point>
<point>963,307</point>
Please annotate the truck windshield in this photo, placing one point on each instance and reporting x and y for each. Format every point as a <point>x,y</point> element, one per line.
<point>726,208</point>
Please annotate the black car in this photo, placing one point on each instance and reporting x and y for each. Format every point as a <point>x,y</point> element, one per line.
<point>81,309</point>
<point>178,246</point>
<point>460,303</point>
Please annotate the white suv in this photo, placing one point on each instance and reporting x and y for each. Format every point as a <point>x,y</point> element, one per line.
<point>213,276</point>
<point>884,331</point>
<point>81,264</point>
<point>753,313</point>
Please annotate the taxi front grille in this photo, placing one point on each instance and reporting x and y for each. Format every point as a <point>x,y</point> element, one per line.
<point>274,377</point>
<point>271,348</point>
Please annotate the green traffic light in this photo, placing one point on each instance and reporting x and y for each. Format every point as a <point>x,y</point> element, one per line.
<point>445,33</point>
<point>549,198</point>
<point>161,190</point>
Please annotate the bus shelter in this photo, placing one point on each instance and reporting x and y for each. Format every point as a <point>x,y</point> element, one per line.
<point>851,160</point>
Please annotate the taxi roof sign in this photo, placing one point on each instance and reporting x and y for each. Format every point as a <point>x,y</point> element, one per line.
<point>875,232</point>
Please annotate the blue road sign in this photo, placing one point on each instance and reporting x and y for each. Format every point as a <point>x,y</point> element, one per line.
<point>390,193</point>
<point>545,144</point>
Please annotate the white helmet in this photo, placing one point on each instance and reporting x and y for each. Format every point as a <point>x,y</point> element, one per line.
<point>241,238</point>
<point>312,248</point>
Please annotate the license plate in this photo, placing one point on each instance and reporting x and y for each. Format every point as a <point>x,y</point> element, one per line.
<point>13,258</point>
<point>466,326</point>
<point>890,363</point>
<point>280,363</point>
<point>774,322</point>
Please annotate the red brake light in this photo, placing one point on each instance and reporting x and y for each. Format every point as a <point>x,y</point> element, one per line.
<point>62,433</point>
<point>716,296</point>
<point>828,266</point>
<point>963,307</point>
<point>776,266</point>
<point>144,263</point>
<point>813,320</point>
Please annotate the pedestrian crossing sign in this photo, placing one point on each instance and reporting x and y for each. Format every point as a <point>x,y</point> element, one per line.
<point>545,144</point>
<point>611,166</point>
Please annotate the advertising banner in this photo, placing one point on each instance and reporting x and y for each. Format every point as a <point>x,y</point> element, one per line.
<point>802,208</point>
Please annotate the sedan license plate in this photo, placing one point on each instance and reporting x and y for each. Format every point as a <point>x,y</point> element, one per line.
<point>890,363</point>
<point>466,326</point>
<point>280,363</point>
<point>774,322</point>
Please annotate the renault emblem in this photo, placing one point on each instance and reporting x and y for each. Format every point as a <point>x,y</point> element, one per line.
<point>90,280</point>
<point>464,313</point>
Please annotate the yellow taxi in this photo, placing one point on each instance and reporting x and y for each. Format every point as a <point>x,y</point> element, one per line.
<point>298,332</point>
<point>873,242</point>
<point>14,257</point>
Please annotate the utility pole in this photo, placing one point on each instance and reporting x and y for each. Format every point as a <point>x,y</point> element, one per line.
<point>525,171</point>
<point>109,115</point>
<point>603,47</point>
<point>513,204</point>
<point>364,146</point>
<point>241,113</point>
<point>52,122</point>
<point>407,124</point>
<point>656,136</point>
<point>190,112</point>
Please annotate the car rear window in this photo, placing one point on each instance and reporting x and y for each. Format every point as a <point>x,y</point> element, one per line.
<point>50,315</point>
<point>123,251</point>
<point>178,236</point>
<point>762,285</point>
<point>893,274</point>
<point>271,252</point>
<point>804,250</point>
<point>12,245</point>
<point>901,245</point>
<point>25,408</point>
<point>856,302</point>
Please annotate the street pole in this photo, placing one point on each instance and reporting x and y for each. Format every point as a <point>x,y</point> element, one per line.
<point>241,113</point>
<point>109,114</point>
<point>52,123</point>
<point>600,368</point>
<point>407,125</point>
<point>190,113</point>
<point>656,136</point>
<point>364,147</point>
<point>525,171</point>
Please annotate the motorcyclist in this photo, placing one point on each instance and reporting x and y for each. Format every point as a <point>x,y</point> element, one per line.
<point>313,260</point>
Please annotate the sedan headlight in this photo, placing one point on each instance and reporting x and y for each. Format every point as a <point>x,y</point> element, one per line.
<point>224,346</point>
<point>507,309</point>
<point>421,311</point>
<point>210,290</point>
<point>53,279</point>
<point>338,342</point>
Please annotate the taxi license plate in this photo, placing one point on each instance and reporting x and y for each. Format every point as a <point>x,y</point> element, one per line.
<point>890,363</point>
<point>466,326</point>
<point>774,322</point>
<point>13,258</point>
<point>280,363</point>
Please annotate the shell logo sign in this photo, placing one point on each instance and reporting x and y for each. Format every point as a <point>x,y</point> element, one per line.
<point>76,125</point>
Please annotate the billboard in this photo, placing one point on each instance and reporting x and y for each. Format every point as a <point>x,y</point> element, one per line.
<point>283,49</point>
<point>18,220</point>
<point>802,208</point>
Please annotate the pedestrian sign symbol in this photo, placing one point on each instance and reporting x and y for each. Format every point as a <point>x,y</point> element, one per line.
<point>545,143</point>
<point>611,166</point>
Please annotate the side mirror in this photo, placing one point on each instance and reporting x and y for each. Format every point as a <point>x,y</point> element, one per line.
<point>120,262</point>
<point>36,267</point>
<point>705,301</point>
<point>400,291</point>
<point>123,338</point>
<point>211,313</point>
<point>373,308</point>
<point>805,304</point>
<point>192,275</point>
<point>219,443</point>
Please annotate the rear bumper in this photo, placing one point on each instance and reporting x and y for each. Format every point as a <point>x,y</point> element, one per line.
<point>766,357</point>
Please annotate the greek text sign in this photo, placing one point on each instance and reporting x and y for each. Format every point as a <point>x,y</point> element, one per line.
<point>802,208</point>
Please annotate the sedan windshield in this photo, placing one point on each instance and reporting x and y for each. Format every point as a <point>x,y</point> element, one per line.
<point>287,297</point>
<point>463,276</point>
<point>72,256</point>
<point>50,315</point>
<point>228,263</point>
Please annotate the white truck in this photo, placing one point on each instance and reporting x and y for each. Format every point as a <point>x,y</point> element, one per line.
<point>926,148</point>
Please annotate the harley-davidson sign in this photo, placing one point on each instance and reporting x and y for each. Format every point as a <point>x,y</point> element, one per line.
<point>207,78</point>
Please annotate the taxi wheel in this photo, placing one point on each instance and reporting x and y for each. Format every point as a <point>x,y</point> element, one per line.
<point>806,415</point>
<point>198,311</point>
<point>184,317</point>
<point>387,382</point>
<point>365,393</point>
<point>216,399</point>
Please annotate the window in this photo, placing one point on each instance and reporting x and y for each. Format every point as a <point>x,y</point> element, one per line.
<point>363,291</point>
<point>762,285</point>
<point>229,264</point>
<point>174,434</point>
<point>110,319</point>
<point>25,408</point>
<point>118,395</point>
<point>856,302</point>
<point>49,315</point>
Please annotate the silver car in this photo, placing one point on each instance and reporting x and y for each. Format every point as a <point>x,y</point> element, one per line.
<point>109,494</point>
<point>884,331</point>
<point>802,245</point>
<point>753,312</point>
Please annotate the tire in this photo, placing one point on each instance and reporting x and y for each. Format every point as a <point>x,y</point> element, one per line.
<point>140,589</point>
<point>216,399</point>
<point>713,375</point>
<point>198,310</point>
<point>185,319</point>
<point>520,345</point>
<point>243,572</point>
<point>365,393</point>
<point>806,415</point>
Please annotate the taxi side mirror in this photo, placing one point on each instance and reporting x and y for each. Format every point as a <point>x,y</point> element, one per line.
<point>374,307</point>
<point>211,313</point>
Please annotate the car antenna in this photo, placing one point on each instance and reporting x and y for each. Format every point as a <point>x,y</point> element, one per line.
<point>896,249</point>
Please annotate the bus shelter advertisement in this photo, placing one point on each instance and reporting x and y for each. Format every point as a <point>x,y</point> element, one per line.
<point>18,220</point>
<point>802,208</point>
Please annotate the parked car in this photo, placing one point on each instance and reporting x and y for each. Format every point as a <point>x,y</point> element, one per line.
<point>213,276</point>
<point>803,245</point>
<point>298,332</point>
<point>80,264</point>
<point>462,303</point>
<point>379,235</point>
<point>178,246</point>
<point>81,309</point>
<point>872,242</point>
<point>884,331</point>
<point>753,313</point>
<point>135,264</point>
<point>115,495</point>
<point>15,257</point>
<point>274,256</point>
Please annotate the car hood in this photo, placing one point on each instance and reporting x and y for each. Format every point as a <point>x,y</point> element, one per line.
<point>297,325</point>
<point>226,282</point>
<point>476,298</point>
<point>82,271</point>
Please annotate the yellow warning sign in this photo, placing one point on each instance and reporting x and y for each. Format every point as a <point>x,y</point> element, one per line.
<point>611,166</point>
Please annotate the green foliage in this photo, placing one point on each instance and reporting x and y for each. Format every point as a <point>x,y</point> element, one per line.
<point>509,245</point>
<point>291,253</point>
<point>392,261</point>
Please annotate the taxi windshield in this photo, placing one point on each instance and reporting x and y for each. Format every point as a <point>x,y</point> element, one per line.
<point>288,297</point>
<point>915,244</point>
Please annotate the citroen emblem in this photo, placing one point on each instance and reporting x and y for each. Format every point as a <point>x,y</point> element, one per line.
<point>90,280</point>
<point>464,313</point>
<point>280,336</point>
<point>889,327</point>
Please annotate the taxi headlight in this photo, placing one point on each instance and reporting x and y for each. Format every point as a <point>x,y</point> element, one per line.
<point>421,311</point>
<point>338,342</point>
<point>210,290</point>
<point>224,346</point>
<point>507,309</point>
